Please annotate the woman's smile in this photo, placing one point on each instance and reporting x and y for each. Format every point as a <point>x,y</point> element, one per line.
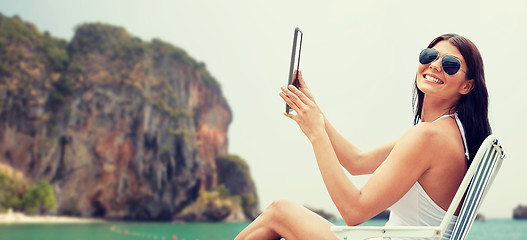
<point>432,78</point>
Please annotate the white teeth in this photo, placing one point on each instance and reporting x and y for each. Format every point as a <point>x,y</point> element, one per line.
<point>433,79</point>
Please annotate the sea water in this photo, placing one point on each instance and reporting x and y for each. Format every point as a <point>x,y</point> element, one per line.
<point>487,230</point>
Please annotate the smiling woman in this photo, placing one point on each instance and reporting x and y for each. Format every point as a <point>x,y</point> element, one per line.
<point>472,107</point>
<point>412,175</point>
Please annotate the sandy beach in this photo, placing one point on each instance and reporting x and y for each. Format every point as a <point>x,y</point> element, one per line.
<point>16,217</point>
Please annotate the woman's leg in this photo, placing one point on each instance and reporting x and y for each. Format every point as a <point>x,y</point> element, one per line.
<point>287,219</point>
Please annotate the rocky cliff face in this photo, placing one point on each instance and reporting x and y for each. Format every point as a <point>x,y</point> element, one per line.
<point>122,128</point>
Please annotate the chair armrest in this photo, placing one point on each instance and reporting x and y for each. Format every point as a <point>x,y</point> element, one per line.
<point>368,232</point>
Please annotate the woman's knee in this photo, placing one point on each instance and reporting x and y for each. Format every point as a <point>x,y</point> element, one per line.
<point>281,210</point>
<point>282,205</point>
<point>272,223</point>
<point>293,221</point>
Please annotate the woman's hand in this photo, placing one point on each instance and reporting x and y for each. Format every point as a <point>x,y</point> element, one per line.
<point>308,116</point>
<point>302,86</point>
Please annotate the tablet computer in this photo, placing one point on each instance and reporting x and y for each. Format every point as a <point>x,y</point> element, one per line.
<point>295,60</point>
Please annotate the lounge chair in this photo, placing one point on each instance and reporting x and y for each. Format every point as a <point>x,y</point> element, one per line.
<point>475,184</point>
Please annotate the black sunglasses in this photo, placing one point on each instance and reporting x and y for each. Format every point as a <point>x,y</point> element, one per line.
<point>450,64</point>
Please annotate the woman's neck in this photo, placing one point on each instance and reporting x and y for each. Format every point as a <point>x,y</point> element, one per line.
<point>435,109</point>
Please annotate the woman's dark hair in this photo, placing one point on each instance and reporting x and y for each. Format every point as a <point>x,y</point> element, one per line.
<point>472,108</point>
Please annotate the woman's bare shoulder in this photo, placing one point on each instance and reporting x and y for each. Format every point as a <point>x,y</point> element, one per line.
<point>425,133</point>
<point>438,139</point>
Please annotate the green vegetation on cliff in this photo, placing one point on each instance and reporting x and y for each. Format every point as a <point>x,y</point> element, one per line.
<point>10,192</point>
<point>161,49</point>
<point>234,195</point>
<point>117,44</point>
<point>38,198</point>
<point>211,205</point>
<point>114,43</point>
<point>34,199</point>
<point>15,33</point>
<point>110,41</point>
<point>31,61</point>
<point>234,173</point>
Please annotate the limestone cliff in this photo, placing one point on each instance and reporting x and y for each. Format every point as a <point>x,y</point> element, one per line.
<point>122,128</point>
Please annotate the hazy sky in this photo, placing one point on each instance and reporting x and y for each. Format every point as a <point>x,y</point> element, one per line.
<point>359,59</point>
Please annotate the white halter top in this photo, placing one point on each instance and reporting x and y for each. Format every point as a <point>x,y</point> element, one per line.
<point>461,130</point>
<point>416,208</point>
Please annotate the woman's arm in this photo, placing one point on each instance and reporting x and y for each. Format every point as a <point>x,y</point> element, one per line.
<point>355,161</point>
<point>392,179</point>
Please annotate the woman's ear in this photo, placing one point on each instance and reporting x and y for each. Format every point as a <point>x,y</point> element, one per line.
<point>466,87</point>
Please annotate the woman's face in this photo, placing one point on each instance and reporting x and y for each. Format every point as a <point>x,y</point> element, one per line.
<point>433,81</point>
